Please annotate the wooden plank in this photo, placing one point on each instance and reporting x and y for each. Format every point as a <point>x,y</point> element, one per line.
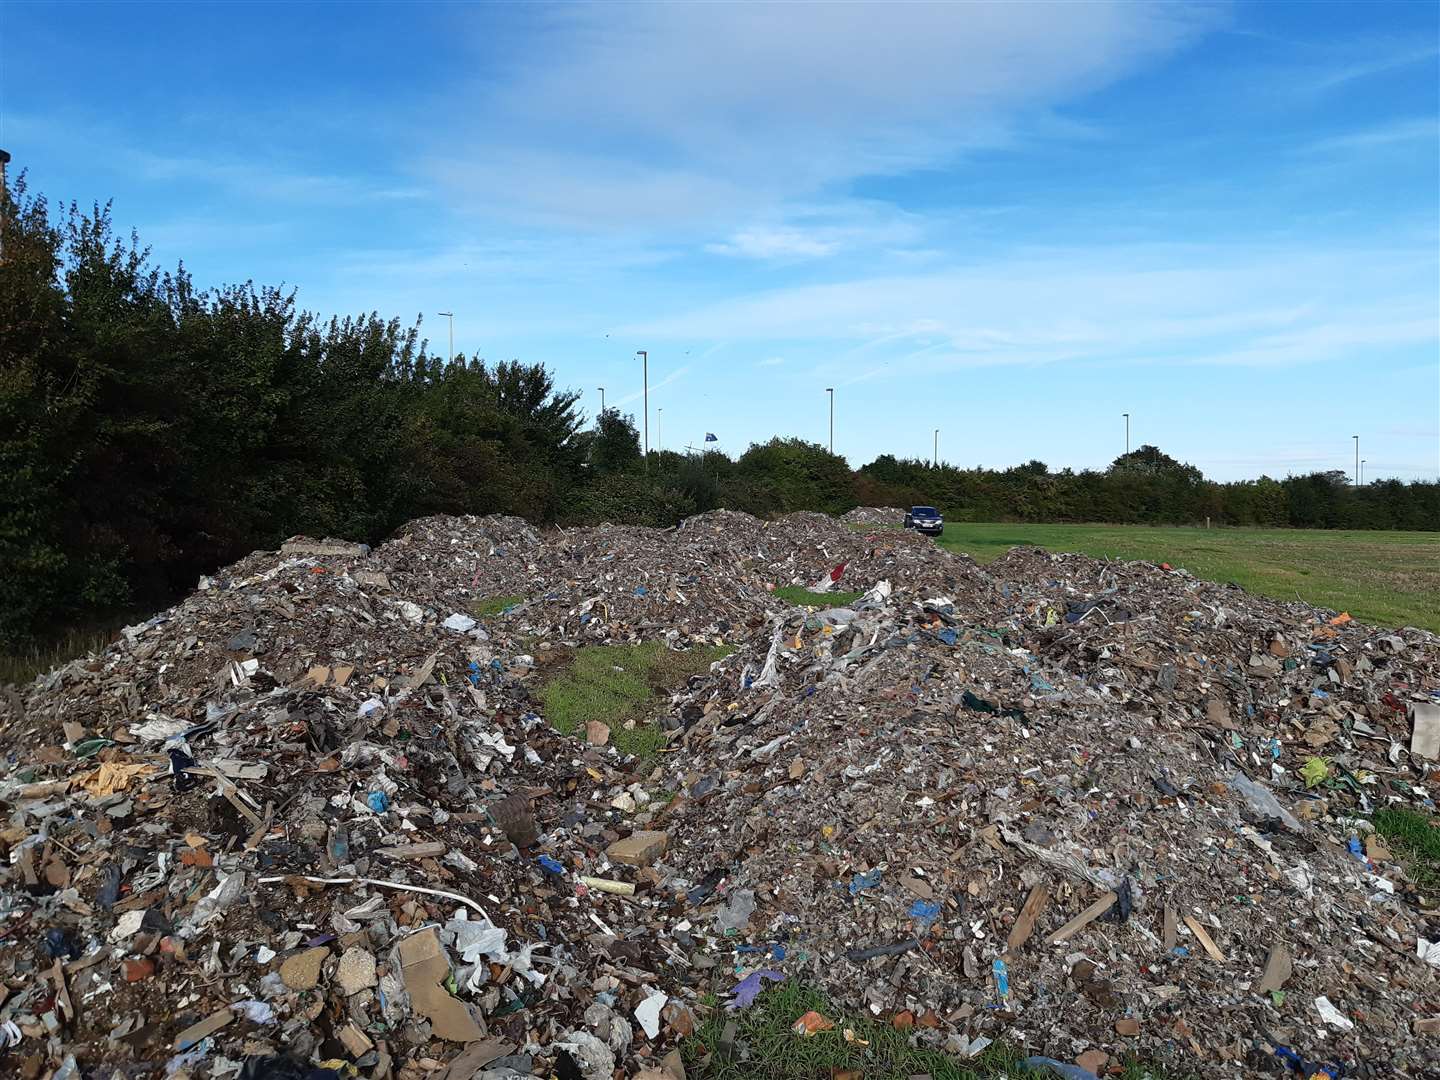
<point>1025,921</point>
<point>1170,932</point>
<point>430,850</point>
<point>1204,938</point>
<point>1084,919</point>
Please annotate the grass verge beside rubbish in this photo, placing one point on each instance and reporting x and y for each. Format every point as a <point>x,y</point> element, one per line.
<point>1388,578</point>
<point>798,594</point>
<point>1415,839</point>
<point>776,1052</point>
<point>22,666</point>
<point>491,606</point>
<point>615,684</point>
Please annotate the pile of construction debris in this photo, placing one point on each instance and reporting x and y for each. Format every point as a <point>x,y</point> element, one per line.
<point>314,815</point>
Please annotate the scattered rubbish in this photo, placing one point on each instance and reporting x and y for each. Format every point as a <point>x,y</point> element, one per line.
<point>1333,1016</point>
<point>325,812</point>
<point>1002,978</point>
<point>811,1024</point>
<point>1051,1067</point>
<point>748,988</point>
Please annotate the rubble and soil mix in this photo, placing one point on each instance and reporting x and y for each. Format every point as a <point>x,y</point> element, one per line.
<point>315,816</point>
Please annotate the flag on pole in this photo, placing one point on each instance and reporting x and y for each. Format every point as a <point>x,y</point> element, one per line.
<point>710,437</point>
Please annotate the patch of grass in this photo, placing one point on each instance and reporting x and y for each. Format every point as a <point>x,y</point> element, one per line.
<point>766,1047</point>
<point>1415,839</point>
<point>797,594</point>
<point>1388,578</point>
<point>24,665</point>
<point>492,606</point>
<point>618,683</point>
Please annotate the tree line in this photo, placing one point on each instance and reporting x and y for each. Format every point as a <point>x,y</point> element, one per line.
<point>152,430</point>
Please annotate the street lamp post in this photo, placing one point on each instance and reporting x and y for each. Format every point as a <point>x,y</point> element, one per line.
<point>1357,459</point>
<point>602,404</point>
<point>451,316</point>
<point>660,429</point>
<point>1362,471</point>
<point>1127,432</point>
<point>831,391</point>
<point>936,463</point>
<point>645,400</point>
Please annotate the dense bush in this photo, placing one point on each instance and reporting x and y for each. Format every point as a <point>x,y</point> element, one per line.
<point>151,431</point>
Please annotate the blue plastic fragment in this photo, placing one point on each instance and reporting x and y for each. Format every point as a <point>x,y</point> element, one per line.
<point>1040,684</point>
<point>1002,978</point>
<point>947,636</point>
<point>867,880</point>
<point>925,910</point>
<point>550,864</point>
<point>640,590</point>
<point>378,801</point>
<point>748,988</point>
<point>1355,849</point>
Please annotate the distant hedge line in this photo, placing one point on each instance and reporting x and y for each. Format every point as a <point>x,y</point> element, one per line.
<point>151,431</point>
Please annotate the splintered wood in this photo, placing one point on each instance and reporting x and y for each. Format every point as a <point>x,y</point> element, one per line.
<point>1084,919</point>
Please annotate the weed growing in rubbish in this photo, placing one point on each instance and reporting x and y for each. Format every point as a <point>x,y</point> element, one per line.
<point>618,683</point>
<point>775,1052</point>
<point>491,606</point>
<point>796,594</point>
<point>1415,838</point>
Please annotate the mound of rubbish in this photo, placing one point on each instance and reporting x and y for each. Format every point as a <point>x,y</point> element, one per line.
<point>314,816</point>
<point>874,516</point>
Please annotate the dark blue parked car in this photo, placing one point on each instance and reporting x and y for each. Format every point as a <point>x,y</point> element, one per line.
<point>925,519</point>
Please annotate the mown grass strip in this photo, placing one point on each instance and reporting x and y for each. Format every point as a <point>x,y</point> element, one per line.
<point>1387,578</point>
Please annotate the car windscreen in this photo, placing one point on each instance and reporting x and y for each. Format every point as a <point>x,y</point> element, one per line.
<point>923,511</point>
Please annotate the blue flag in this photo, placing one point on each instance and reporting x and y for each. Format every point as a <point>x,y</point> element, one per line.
<point>710,437</point>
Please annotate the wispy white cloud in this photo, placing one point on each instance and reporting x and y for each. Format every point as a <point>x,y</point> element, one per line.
<point>1174,305</point>
<point>763,242</point>
<point>771,361</point>
<point>1419,131</point>
<point>658,125</point>
<point>1375,60</point>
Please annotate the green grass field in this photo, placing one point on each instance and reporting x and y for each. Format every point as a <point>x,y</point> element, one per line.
<point>1388,578</point>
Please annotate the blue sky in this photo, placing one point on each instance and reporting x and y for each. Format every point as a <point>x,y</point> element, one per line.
<point>1012,222</point>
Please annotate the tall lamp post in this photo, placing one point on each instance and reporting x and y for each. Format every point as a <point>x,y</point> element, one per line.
<point>831,391</point>
<point>1357,459</point>
<point>1362,471</point>
<point>645,376</point>
<point>935,464</point>
<point>1127,432</point>
<point>451,316</point>
<point>660,429</point>
<point>602,404</point>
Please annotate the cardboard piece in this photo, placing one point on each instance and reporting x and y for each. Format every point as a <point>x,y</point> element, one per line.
<point>1277,970</point>
<point>1425,734</point>
<point>424,967</point>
